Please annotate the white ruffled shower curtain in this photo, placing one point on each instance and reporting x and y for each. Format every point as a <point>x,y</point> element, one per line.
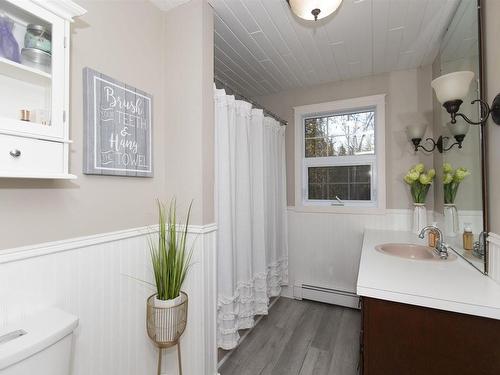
<point>252,249</point>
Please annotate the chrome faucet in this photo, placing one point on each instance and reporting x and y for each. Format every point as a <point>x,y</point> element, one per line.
<point>441,249</point>
<point>479,246</point>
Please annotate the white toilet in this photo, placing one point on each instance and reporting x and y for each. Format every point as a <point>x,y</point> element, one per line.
<point>40,344</point>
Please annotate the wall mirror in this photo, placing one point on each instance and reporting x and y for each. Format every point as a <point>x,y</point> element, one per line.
<point>462,206</point>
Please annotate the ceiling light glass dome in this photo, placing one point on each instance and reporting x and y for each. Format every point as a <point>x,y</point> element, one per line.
<point>313,9</point>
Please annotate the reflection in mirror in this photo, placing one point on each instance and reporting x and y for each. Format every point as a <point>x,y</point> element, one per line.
<point>459,186</point>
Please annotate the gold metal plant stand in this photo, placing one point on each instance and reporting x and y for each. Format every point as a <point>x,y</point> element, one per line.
<point>165,326</point>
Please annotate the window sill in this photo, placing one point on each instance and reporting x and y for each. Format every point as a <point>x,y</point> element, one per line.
<point>339,210</point>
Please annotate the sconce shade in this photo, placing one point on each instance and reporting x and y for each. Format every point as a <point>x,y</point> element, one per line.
<point>452,86</point>
<point>459,128</point>
<point>416,131</point>
<point>307,9</point>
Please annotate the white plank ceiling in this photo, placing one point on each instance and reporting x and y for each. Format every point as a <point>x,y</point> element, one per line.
<point>262,48</point>
<point>461,40</point>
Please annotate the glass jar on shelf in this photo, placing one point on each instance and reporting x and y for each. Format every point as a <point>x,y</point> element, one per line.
<point>38,37</point>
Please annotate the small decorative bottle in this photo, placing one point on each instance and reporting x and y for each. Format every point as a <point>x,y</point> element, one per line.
<point>468,237</point>
<point>433,236</point>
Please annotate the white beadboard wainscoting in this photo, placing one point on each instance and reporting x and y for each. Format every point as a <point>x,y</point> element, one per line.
<point>324,248</point>
<point>473,217</point>
<point>94,278</point>
<point>494,256</point>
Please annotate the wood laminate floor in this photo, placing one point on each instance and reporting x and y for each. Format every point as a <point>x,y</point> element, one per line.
<point>299,338</point>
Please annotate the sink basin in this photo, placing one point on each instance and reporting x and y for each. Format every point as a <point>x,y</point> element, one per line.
<point>411,251</point>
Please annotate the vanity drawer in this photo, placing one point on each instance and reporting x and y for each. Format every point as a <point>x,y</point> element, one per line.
<point>19,155</point>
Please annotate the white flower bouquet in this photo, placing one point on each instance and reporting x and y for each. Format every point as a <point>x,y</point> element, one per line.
<point>451,181</point>
<point>419,181</point>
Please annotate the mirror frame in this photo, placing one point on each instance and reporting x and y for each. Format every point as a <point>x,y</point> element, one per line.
<point>483,134</point>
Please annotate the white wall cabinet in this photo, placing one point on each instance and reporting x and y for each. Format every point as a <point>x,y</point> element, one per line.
<point>36,146</point>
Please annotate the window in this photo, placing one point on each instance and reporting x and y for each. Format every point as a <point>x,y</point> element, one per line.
<point>340,152</point>
<point>348,183</point>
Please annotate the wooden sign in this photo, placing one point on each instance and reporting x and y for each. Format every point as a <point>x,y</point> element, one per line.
<point>117,127</point>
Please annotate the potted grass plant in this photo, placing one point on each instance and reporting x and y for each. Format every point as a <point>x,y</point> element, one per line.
<point>170,260</point>
<point>170,257</point>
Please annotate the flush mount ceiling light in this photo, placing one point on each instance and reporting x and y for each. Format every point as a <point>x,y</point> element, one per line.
<point>451,90</point>
<point>313,9</point>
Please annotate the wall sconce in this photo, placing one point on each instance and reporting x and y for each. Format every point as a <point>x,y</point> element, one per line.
<point>416,133</point>
<point>451,89</point>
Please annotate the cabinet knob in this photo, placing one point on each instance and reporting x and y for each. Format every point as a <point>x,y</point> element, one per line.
<point>15,153</point>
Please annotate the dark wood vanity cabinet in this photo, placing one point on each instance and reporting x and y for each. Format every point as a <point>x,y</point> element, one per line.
<point>401,339</point>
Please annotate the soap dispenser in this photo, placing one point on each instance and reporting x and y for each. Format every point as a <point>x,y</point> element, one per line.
<point>468,237</point>
<point>433,236</point>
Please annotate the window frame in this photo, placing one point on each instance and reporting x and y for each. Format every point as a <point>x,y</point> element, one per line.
<point>377,161</point>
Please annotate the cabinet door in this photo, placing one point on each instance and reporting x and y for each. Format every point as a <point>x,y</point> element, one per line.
<point>35,82</point>
<point>413,340</point>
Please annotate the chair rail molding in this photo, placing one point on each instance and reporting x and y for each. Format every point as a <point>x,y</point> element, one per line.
<point>30,251</point>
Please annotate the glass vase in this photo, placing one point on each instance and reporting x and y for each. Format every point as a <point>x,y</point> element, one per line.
<point>419,217</point>
<point>451,228</point>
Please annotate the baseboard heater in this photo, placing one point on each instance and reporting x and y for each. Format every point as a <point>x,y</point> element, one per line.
<point>326,295</point>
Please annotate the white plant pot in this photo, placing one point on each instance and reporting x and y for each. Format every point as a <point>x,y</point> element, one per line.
<point>160,303</point>
<point>419,217</point>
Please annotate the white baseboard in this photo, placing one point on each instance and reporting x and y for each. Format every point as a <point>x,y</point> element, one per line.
<point>326,295</point>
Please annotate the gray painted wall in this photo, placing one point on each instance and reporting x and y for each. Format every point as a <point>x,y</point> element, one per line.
<point>135,46</point>
<point>409,96</point>
<point>189,107</point>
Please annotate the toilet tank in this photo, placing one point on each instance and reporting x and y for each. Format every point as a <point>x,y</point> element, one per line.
<point>40,344</point>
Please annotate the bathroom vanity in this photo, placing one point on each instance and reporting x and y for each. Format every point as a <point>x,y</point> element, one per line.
<point>422,314</point>
<point>399,338</point>
<point>425,316</point>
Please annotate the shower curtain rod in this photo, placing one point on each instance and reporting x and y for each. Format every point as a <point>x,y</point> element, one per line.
<point>231,91</point>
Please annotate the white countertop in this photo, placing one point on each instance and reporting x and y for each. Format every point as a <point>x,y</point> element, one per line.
<point>446,285</point>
